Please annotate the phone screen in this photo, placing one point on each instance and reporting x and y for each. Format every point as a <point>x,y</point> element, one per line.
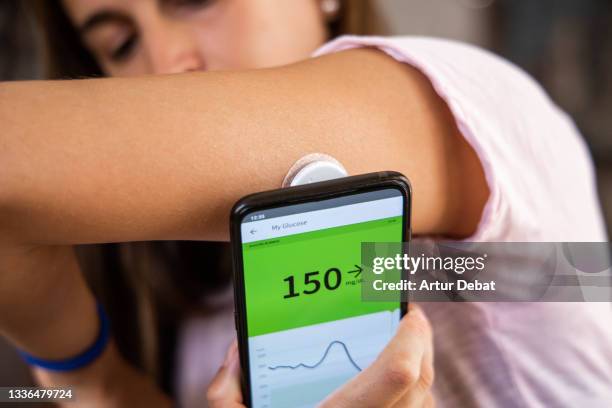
<point>308,330</point>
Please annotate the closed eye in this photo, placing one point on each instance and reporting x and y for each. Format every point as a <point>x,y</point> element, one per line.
<point>125,49</point>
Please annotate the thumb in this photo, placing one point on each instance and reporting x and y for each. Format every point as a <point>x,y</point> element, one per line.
<point>224,390</point>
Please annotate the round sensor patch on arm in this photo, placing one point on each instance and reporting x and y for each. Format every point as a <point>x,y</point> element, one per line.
<point>312,168</point>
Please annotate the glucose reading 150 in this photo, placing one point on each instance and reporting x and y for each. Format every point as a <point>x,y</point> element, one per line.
<point>303,328</point>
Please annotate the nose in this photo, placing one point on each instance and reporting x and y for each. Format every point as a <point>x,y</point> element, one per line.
<point>171,48</point>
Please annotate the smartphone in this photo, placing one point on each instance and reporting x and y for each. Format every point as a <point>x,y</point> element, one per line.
<point>303,329</point>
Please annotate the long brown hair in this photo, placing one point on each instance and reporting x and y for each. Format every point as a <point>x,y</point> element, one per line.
<point>149,287</point>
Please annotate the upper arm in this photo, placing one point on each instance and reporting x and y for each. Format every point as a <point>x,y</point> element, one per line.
<point>390,117</point>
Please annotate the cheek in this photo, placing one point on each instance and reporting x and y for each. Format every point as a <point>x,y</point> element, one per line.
<point>260,33</point>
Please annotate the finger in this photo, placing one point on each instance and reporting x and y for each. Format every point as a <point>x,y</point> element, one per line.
<point>224,391</point>
<point>426,380</point>
<point>394,372</point>
<point>420,395</point>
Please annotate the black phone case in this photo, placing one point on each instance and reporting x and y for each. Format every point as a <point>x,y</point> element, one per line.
<point>297,195</point>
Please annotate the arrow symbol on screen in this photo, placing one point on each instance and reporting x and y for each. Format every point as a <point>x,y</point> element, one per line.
<point>357,271</point>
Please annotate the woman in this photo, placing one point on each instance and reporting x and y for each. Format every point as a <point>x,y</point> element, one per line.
<point>140,159</point>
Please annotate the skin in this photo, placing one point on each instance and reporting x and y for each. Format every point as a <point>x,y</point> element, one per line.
<point>128,159</point>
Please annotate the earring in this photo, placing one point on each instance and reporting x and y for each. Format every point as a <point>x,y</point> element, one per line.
<point>330,8</point>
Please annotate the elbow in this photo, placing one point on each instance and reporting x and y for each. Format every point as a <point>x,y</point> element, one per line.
<point>4,211</point>
<point>7,202</point>
<point>14,165</point>
<point>6,185</point>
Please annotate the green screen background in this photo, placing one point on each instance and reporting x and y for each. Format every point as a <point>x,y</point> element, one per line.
<point>268,262</point>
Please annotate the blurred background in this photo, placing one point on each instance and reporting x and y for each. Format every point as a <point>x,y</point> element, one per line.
<point>565,44</point>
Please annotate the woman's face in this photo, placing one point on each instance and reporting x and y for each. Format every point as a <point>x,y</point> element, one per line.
<point>138,37</point>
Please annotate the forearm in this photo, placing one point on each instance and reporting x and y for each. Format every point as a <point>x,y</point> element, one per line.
<point>44,297</point>
<point>165,157</point>
<point>47,310</point>
<point>108,382</point>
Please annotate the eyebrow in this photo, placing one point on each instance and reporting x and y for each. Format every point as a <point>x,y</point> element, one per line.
<point>102,17</point>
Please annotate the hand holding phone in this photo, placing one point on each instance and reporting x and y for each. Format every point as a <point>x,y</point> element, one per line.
<point>400,377</point>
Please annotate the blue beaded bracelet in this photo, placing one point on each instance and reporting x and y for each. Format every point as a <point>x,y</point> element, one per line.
<point>81,360</point>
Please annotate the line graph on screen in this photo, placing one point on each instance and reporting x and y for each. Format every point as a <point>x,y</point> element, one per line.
<point>323,357</point>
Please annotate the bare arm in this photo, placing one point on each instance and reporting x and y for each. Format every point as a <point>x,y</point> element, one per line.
<point>165,157</point>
